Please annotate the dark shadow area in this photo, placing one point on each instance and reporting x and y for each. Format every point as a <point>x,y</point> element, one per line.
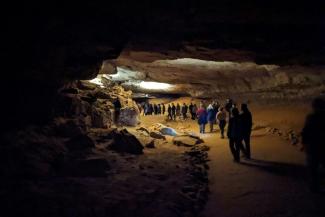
<point>278,168</point>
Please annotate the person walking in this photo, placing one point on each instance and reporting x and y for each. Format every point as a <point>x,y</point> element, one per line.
<point>173,111</point>
<point>159,109</point>
<point>163,108</point>
<point>194,110</point>
<point>184,111</point>
<point>234,134</point>
<point>247,123</point>
<point>211,116</point>
<point>313,138</point>
<point>150,109</point>
<point>155,109</point>
<point>222,120</point>
<point>202,118</point>
<point>169,112</point>
<point>178,110</point>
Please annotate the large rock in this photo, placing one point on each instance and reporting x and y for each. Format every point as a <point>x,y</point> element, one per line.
<point>129,116</point>
<point>187,140</point>
<point>100,118</point>
<point>124,142</point>
<point>157,135</point>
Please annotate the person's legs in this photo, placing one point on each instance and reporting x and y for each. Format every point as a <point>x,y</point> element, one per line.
<point>239,146</point>
<point>211,126</point>
<point>222,128</point>
<point>203,128</point>
<point>247,145</point>
<point>233,149</point>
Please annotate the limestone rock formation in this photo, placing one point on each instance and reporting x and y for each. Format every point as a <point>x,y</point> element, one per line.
<point>187,140</point>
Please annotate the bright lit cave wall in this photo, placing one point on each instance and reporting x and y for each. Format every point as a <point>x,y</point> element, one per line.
<point>208,78</point>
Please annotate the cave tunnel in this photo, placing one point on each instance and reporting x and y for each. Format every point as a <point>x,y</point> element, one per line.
<point>163,109</point>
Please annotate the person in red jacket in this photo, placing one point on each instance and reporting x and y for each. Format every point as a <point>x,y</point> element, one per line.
<point>202,116</point>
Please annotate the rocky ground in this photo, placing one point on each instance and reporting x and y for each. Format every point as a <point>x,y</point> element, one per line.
<point>81,164</point>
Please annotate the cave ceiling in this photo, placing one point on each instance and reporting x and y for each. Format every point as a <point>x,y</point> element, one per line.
<point>258,46</point>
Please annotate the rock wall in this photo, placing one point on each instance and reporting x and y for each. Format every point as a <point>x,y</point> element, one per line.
<point>214,76</point>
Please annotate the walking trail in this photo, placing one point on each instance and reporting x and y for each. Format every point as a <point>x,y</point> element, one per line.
<point>271,184</point>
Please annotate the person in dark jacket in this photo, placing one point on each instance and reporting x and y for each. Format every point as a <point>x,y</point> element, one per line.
<point>184,111</point>
<point>159,109</point>
<point>247,123</point>
<point>313,138</point>
<point>234,134</point>
<point>194,110</point>
<point>163,108</point>
<point>211,116</point>
<point>155,109</point>
<point>178,110</point>
<point>117,110</point>
<point>202,118</point>
<point>169,112</point>
<point>150,109</point>
<point>173,111</point>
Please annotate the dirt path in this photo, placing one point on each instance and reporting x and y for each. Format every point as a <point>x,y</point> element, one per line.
<point>271,184</point>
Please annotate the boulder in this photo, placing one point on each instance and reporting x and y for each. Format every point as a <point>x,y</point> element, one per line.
<point>186,140</point>
<point>80,142</point>
<point>124,142</point>
<point>129,116</point>
<point>150,144</point>
<point>145,130</point>
<point>157,135</point>
<point>100,118</point>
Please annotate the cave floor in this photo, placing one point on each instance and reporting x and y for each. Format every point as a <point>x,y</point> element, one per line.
<point>272,183</point>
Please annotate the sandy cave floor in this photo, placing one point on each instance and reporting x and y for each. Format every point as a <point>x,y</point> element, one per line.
<point>273,183</point>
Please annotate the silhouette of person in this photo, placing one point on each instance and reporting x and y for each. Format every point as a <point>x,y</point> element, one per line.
<point>178,110</point>
<point>163,108</point>
<point>169,112</point>
<point>117,110</point>
<point>173,111</point>
<point>313,138</point>
<point>222,120</point>
<point>234,134</point>
<point>184,111</point>
<point>247,123</point>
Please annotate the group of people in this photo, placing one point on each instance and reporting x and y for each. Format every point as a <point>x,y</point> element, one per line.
<point>239,125</point>
<point>177,110</point>
<point>152,109</point>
